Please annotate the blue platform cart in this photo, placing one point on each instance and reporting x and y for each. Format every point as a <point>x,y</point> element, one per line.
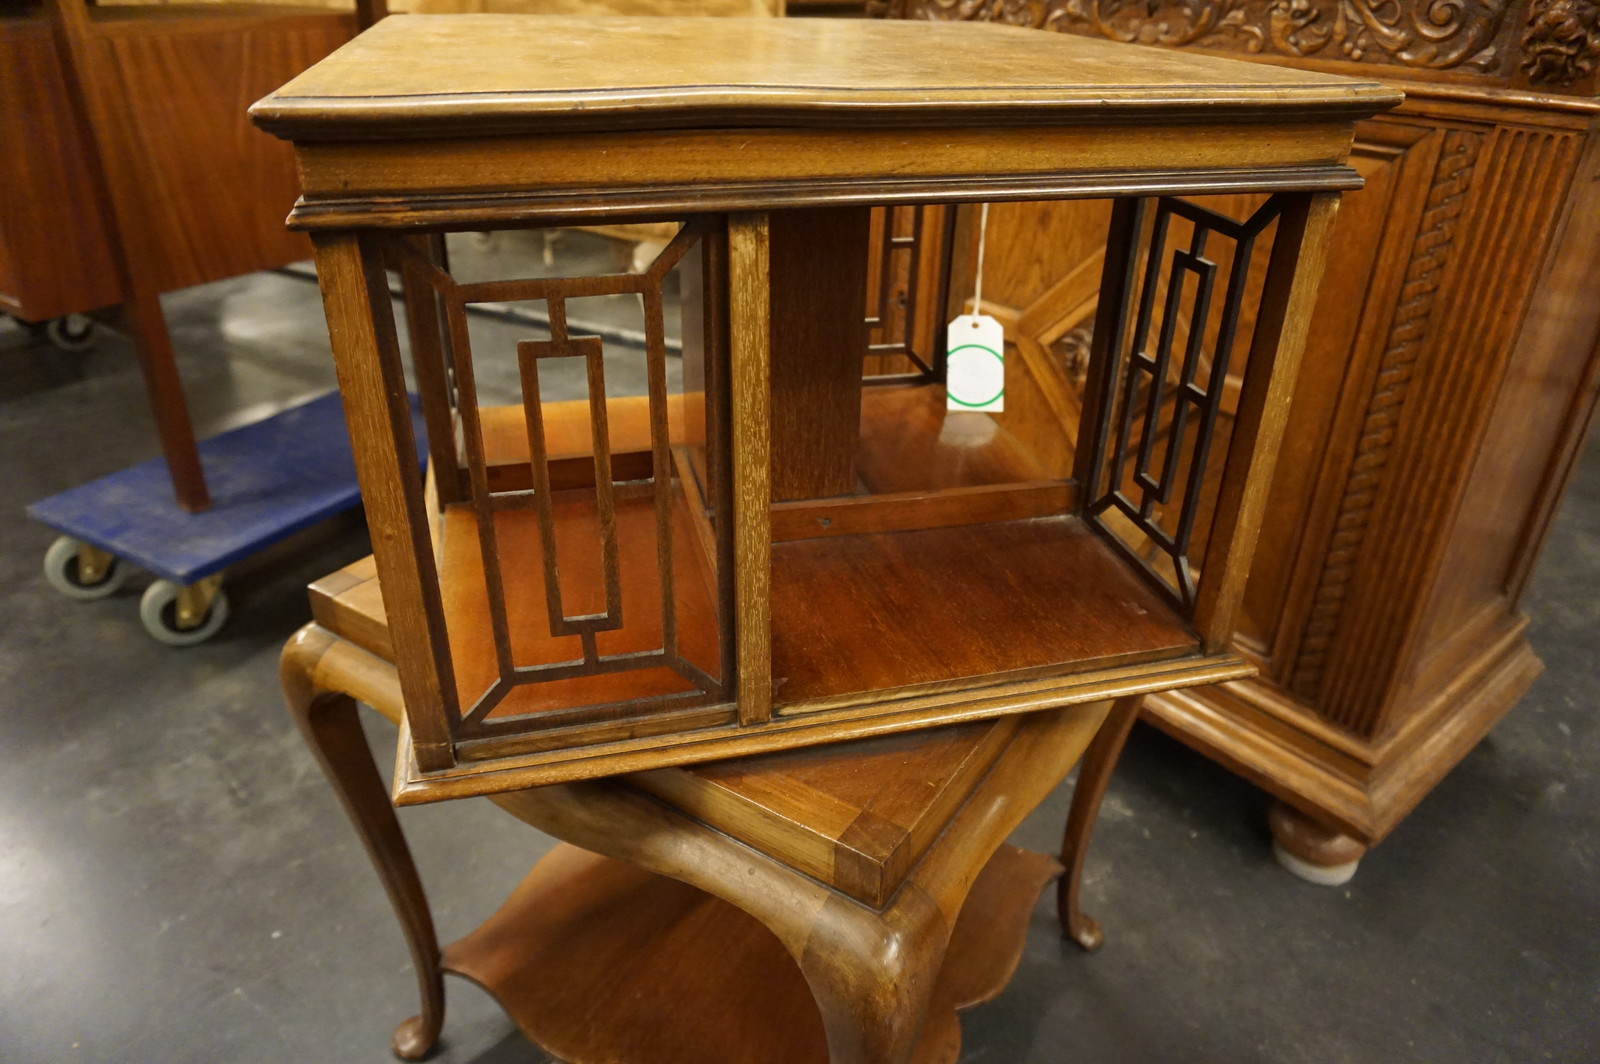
<point>268,480</point>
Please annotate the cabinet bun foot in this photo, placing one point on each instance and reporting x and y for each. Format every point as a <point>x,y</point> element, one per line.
<point>1310,850</point>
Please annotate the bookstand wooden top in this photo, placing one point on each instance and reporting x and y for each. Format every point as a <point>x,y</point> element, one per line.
<point>478,121</point>
<point>469,75</point>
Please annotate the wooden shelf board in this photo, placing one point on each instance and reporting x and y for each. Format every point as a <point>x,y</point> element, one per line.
<point>910,442</point>
<point>867,614</point>
<point>921,466</point>
<point>569,441</point>
<point>597,961</point>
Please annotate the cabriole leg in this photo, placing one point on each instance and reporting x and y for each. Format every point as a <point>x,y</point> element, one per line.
<point>873,976</point>
<point>1093,777</point>
<point>329,722</point>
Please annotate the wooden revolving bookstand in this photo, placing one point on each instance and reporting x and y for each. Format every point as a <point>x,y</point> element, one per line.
<point>786,554</point>
<point>704,632</point>
<point>835,904</point>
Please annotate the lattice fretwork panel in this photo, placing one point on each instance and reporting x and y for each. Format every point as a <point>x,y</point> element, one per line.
<point>579,569</point>
<point>1159,445</point>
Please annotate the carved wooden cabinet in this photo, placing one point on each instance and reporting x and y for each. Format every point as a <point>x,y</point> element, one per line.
<point>1449,380</point>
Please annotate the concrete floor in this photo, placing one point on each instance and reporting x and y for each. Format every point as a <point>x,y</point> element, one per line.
<point>177,883</point>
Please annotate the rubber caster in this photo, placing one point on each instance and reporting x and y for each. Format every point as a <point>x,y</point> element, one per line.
<point>82,572</point>
<point>179,623</point>
<point>73,332</point>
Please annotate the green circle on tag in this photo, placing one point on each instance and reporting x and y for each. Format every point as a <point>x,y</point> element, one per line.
<point>998,358</point>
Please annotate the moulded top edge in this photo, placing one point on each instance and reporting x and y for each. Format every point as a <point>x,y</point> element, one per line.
<point>464,75</point>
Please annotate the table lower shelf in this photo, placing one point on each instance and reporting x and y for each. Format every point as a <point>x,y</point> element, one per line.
<point>599,961</point>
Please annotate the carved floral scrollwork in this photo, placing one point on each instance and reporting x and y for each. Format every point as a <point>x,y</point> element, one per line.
<point>1074,349</point>
<point>1561,42</point>
<point>1435,34</point>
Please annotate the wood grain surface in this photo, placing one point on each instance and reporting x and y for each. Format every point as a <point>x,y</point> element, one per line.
<point>819,283</point>
<point>593,8</point>
<point>910,442</point>
<point>201,195</point>
<point>961,583</point>
<point>872,973</point>
<point>53,239</point>
<point>857,817</point>
<point>599,961</point>
<point>885,611</point>
<point>750,410</point>
<point>461,75</point>
<point>698,897</point>
<point>577,539</point>
<point>372,384</point>
<point>348,604</point>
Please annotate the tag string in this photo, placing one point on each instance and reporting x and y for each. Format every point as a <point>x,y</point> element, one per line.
<point>977,283</point>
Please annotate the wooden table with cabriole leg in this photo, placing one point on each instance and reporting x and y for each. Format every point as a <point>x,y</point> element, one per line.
<point>785,631</point>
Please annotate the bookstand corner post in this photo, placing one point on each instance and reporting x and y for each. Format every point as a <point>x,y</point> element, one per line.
<point>366,353</point>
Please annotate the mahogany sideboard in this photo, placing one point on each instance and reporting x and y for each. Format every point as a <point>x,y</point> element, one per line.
<point>131,170</point>
<point>1449,382</point>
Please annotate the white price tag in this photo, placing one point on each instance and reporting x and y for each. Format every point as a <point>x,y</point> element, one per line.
<point>975,367</point>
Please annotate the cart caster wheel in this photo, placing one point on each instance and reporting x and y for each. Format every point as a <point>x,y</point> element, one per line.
<point>74,332</point>
<point>61,568</point>
<point>158,611</point>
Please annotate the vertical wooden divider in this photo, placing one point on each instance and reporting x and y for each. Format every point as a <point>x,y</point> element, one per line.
<point>366,354</point>
<point>1106,346</point>
<point>719,431</point>
<point>1299,252</point>
<point>817,306</point>
<point>750,358</point>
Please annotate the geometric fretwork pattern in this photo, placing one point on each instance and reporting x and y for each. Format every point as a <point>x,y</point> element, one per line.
<point>589,348</point>
<point>486,497</point>
<point>1162,402</point>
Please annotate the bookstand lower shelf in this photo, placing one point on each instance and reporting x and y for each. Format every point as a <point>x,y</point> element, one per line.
<point>598,961</point>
